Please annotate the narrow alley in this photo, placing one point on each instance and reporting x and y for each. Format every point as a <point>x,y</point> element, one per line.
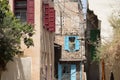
<point>59,40</point>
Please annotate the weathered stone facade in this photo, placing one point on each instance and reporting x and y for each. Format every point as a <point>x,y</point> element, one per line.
<point>71,24</point>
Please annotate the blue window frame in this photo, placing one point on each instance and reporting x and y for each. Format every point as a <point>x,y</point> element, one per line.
<point>71,43</point>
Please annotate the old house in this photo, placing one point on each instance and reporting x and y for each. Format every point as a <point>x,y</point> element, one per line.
<point>41,15</point>
<point>69,35</point>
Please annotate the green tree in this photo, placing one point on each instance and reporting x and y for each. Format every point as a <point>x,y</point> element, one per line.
<point>12,31</point>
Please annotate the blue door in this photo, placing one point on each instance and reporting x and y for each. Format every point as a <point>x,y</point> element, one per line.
<point>59,71</point>
<point>80,71</point>
<point>73,72</point>
<point>63,72</point>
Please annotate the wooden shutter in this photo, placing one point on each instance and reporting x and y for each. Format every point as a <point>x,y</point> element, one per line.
<point>77,43</point>
<point>46,15</point>
<point>73,72</point>
<point>30,11</point>
<point>92,51</point>
<point>94,35</point>
<point>66,43</point>
<point>59,71</point>
<point>51,19</point>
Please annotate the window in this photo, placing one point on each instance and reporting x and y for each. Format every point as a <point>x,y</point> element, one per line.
<point>21,14</point>
<point>21,4</point>
<point>71,43</point>
<point>21,10</point>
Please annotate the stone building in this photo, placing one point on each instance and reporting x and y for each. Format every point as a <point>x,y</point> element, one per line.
<point>69,46</point>
<point>42,53</point>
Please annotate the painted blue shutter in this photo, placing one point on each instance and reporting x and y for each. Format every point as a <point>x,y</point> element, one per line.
<point>77,43</point>
<point>80,71</point>
<point>73,72</point>
<point>66,43</point>
<point>59,71</point>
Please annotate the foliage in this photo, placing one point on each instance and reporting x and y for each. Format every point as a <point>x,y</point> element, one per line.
<point>110,51</point>
<point>11,33</point>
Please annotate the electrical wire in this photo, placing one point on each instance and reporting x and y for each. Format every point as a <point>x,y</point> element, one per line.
<point>66,14</point>
<point>69,9</point>
<point>61,10</point>
<point>58,2</point>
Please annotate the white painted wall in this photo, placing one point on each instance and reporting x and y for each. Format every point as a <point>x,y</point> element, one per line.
<point>20,69</point>
<point>103,9</point>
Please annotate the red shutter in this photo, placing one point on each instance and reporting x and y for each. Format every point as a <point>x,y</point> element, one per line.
<point>30,11</point>
<point>51,19</point>
<point>46,15</point>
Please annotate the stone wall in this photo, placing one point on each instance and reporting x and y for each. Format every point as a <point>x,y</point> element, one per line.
<point>69,22</point>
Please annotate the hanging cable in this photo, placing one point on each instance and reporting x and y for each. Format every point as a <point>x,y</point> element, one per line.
<point>66,7</point>
<point>68,15</point>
